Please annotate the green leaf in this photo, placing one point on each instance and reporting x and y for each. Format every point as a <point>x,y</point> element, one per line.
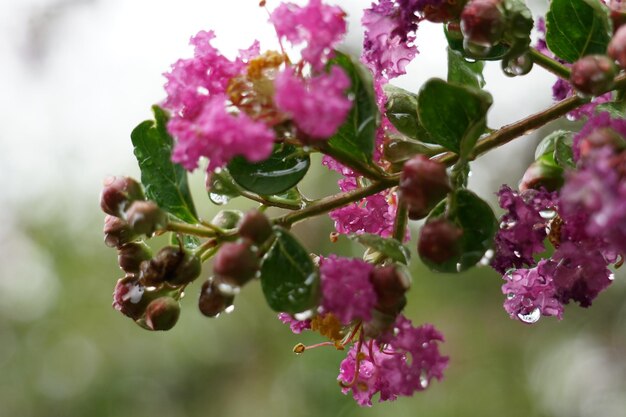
<point>285,167</point>
<point>479,226</point>
<point>401,110</point>
<point>389,247</point>
<point>617,109</point>
<point>556,149</point>
<point>165,182</point>
<point>575,28</point>
<point>454,115</point>
<point>463,72</point>
<point>289,279</point>
<point>354,140</point>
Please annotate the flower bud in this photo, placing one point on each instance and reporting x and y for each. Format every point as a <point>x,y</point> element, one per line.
<point>227,219</point>
<point>483,22</point>
<point>131,255</point>
<point>118,193</point>
<point>439,241</point>
<point>423,184</point>
<point>390,284</point>
<point>617,47</point>
<point>162,313</point>
<point>235,263</point>
<point>599,138</point>
<point>442,11</point>
<point>128,297</point>
<point>117,232</point>
<point>542,175</point>
<point>145,217</point>
<point>212,302</point>
<point>618,13</point>
<point>171,265</point>
<point>593,74</point>
<point>256,227</point>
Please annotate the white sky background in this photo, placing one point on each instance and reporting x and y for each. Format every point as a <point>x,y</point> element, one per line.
<point>77,75</point>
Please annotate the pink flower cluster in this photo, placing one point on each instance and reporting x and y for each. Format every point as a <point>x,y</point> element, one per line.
<point>586,223</point>
<point>405,363</point>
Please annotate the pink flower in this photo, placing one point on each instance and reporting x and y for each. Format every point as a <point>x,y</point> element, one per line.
<point>389,35</point>
<point>318,105</point>
<point>405,363</point>
<point>347,291</point>
<point>219,136</point>
<point>296,326</point>
<point>317,25</point>
<point>373,214</point>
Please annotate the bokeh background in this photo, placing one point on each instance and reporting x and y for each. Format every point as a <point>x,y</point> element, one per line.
<point>75,77</point>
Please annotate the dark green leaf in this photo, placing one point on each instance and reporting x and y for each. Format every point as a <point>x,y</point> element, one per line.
<point>281,171</point>
<point>453,115</point>
<point>576,28</point>
<point>165,182</point>
<point>479,226</point>
<point>401,110</point>
<point>556,149</point>
<point>389,247</point>
<point>354,141</point>
<point>289,279</point>
<point>464,72</point>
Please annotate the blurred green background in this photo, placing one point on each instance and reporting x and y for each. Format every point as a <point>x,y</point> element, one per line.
<point>77,76</point>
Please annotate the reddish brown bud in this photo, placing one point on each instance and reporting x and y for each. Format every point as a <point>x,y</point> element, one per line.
<point>172,265</point>
<point>118,193</point>
<point>439,241</point>
<point>443,11</point>
<point>212,302</point>
<point>617,47</point>
<point>131,255</point>
<point>542,175</point>
<point>162,313</point>
<point>483,22</point>
<point>145,217</point>
<point>128,297</point>
<point>599,138</point>
<point>117,232</point>
<point>423,184</point>
<point>236,263</point>
<point>390,284</point>
<point>256,227</point>
<point>593,74</point>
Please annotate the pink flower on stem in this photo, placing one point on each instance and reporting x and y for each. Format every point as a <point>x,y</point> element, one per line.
<point>318,105</point>
<point>296,326</point>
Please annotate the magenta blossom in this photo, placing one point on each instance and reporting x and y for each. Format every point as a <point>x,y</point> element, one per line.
<point>406,362</point>
<point>296,326</point>
<point>219,135</point>
<point>347,292</point>
<point>318,105</point>
<point>318,26</point>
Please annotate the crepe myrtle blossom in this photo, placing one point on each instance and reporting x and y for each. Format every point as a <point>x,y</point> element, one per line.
<point>400,364</point>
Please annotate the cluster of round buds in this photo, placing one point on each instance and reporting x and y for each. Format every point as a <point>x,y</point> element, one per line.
<point>129,215</point>
<point>234,265</point>
<point>423,184</point>
<point>593,74</point>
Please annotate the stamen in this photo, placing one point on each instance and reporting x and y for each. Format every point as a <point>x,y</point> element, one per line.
<point>620,262</point>
<point>300,347</point>
<point>359,357</point>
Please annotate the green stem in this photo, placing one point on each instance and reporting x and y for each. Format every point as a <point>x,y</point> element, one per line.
<point>190,229</point>
<point>401,220</point>
<point>329,203</point>
<point>549,64</point>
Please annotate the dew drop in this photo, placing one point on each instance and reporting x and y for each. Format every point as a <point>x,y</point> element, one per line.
<point>229,309</point>
<point>459,267</point>
<point>530,318</point>
<point>510,296</point>
<point>424,380</point>
<point>475,49</point>
<point>517,254</point>
<point>508,225</point>
<point>228,289</point>
<point>611,276</point>
<point>219,199</point>
<point>305,315</point>
<point>547,214</point>
<point>487,257</point>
